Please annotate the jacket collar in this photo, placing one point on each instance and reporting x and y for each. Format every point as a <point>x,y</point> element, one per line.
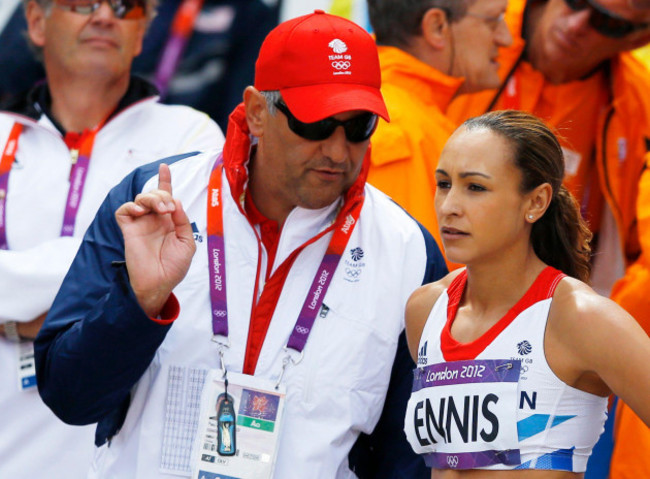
<point>431,85</point>
<point>37,101</point>
<point>236,155</point>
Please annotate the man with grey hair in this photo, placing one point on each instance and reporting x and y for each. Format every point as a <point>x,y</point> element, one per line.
<point>64,145</point>
<point>430,51</point>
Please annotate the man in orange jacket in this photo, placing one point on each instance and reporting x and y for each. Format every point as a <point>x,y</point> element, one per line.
<point>429,51</point>
<point>570,65</point>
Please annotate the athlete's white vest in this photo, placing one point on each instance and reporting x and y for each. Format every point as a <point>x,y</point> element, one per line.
<point>456,404</point>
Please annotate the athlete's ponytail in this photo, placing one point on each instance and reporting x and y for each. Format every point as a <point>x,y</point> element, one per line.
<point>560,237</point>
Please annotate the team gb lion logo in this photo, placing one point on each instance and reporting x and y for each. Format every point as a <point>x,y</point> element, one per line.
<point>338,46</point>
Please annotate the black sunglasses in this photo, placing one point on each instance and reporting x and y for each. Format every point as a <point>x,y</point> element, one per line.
<point>604,21</point>
<point>123,9</point>
<point>357,129</point>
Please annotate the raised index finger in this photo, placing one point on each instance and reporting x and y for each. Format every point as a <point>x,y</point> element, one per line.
<point>164,178</point>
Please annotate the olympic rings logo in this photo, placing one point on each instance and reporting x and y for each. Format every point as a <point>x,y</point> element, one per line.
<point>341,65</point>
<point>353,273</point>
<point>219,313</point>
<point>302,329</point>
<point>452,461</point>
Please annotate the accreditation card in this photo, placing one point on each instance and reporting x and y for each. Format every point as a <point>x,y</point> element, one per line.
<point>239,426</point>
<point>26,365</point>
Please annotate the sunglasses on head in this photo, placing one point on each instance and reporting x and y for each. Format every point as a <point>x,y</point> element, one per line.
<point>604,21</point>
<point>357,129</point>
<point>123,9</point>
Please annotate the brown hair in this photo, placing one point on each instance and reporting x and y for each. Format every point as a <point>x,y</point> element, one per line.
<point>560,237</point>
<point>396,22</point>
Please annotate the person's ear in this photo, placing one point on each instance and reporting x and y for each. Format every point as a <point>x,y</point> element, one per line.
<point>538,202</point>
<point>36,16</point>
<point>435,26</point>
<point>256,110</point>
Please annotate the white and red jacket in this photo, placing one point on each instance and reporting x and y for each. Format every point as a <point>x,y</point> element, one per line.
<point>33,442</point>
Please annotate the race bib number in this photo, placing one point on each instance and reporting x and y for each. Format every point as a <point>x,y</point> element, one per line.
<point>463,414</point>
<point>239,426</point>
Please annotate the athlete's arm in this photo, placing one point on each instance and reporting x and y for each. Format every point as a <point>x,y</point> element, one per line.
<point>418,308</point>
<point>595,345</point>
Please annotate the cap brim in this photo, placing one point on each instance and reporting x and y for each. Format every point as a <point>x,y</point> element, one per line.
<point>316,102</point>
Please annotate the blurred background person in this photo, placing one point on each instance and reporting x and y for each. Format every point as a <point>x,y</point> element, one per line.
<point>199,53</point>
<point>64,144</point>
<point>429,51</point>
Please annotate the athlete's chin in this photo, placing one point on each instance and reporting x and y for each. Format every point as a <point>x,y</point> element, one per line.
<point>455,255</point>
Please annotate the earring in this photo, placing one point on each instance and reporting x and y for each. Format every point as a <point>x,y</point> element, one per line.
<point>530,217</point>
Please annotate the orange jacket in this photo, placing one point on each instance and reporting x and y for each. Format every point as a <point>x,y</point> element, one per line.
<point>625,182</point>
<point>405,151</point>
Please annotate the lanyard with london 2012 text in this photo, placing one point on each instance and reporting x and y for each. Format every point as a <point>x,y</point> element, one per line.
<point>7,160</point>
<point>80,161</point>
<point>344,225</point>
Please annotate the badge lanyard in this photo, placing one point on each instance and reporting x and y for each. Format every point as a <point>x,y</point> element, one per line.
<point>8,157</point>
<point>181,29</point>
<point>510,89</point>
<point>80,161</point>
<point>344,225</point>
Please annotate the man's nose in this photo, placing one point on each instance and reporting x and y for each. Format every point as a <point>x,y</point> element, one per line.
<point>578,22</point>
<point>336,146</point>
<point>104,12</point>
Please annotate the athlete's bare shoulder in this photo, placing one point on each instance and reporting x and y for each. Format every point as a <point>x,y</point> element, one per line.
<point>593,335</point>
<point>578,303</point>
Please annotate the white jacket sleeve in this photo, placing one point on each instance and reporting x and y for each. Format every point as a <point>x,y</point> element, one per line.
<point>30,279</point>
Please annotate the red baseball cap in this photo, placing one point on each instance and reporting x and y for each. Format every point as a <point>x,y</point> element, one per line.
<point>322,65</point>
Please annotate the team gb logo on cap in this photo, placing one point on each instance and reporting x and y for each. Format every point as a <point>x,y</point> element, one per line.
<point>340,63</point>
<point>338,46</point>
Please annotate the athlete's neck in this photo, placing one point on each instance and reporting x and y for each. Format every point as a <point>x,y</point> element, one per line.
<point>495,285</point>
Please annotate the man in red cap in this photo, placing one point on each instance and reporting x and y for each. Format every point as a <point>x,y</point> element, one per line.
<point>289,275</point>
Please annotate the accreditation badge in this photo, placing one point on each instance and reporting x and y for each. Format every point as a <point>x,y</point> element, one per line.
<point>463,414</point>
<point>26,365</point>
<point>239,426</point>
